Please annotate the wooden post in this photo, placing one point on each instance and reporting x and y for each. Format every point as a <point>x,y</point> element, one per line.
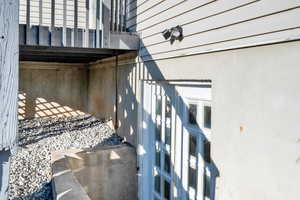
<point>9,66</point>
<point>65,23</point>
<point>76,42</point>
<point>87,23</point>
<point>106,21</point>
<point>52,14</point>
<point>41,12</point>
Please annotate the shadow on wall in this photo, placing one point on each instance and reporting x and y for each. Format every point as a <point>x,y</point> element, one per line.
<point>127,102</point>
<point>51,90</point>
<point>40,107</point>
<point>128,111</point>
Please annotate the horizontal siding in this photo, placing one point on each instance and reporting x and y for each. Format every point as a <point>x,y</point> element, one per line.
<point>163,6</point>
<point>144,7</point>
<point>210,25</point>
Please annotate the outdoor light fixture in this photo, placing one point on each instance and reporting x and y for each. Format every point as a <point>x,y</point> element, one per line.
<point>167,34</point>
<point>175,33</point>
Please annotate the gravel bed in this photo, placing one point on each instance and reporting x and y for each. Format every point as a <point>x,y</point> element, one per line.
<point>30,172</point>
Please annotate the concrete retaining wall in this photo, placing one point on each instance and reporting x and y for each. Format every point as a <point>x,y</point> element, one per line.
<point>52,90</point>
<point>106,173</point>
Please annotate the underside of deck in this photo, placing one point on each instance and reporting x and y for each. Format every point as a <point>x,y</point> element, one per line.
<point>66,54</point>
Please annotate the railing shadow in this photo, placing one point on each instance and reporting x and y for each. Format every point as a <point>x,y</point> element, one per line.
<point>149,71</point>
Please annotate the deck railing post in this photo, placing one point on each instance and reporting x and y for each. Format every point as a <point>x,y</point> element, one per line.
<point>52,14</point>
<point>76,23</point>
<point>27,21</point>
<point>106,21</point>
<point>64,39</point>
<point>87,23</point>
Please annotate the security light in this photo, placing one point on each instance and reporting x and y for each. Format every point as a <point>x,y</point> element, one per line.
<point>167,34</point>
<point>175,33</point>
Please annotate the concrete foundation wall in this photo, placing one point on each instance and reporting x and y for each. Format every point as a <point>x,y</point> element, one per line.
<point>101,91</point>
<point>52,89</point>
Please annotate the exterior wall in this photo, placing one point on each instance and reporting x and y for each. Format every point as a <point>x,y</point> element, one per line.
<point>255,112</point>
<point>52,90</point>
<point>211,25</point>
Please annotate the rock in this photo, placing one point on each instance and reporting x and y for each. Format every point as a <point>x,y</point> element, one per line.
<point>30,171</point>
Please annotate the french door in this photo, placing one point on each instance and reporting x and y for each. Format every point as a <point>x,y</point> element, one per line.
<point>174,147</point>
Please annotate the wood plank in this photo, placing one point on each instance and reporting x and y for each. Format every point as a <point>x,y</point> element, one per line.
<point>106,9</point>
<point>277,27</point>
<point>204,6</point>
<point>147,6</point>
<point>87,23</point>
<point>22,11</point>
<point>9,66</point>
<point>40,12</point>
<point>232,17</point>
<point>163,7</point>
<point>207,10</point>
<point>52,14</point>
<point>98,23</point>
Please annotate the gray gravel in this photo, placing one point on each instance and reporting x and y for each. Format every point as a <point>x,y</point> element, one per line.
<point>30,172</point>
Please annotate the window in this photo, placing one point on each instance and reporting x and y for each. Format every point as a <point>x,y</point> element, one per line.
<point>157,157</point>
<point>207,117</point>
<point>167,163</point>
<point>192,114</point>
<point>167,190</point>
<point>157,183</point>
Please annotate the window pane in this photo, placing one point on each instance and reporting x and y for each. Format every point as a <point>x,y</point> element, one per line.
<point>157,157</point>
<point>167,163</point>
<point>158,132</point>
<point>168,107</point>
<point>158,105</point>
<point>207,116</point>
<point>157,183</point>
<point>167,190</point>
<point>206,186</point>
<point>193,145</point>
<point>168,135</point>
<point>193,114</point>
<point>207,157</point>
<point>192,178</point>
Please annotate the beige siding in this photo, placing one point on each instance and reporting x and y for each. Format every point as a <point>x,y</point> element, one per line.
<point>211,25</point>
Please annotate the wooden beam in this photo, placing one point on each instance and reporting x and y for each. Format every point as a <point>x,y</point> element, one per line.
<point>9,78</point>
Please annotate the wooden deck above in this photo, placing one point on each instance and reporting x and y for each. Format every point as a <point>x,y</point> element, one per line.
<point>83,31</point>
